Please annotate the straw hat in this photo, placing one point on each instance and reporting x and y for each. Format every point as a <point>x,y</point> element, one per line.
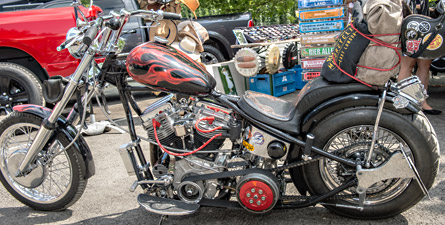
<point>166,29</point>
<point>195,31</point>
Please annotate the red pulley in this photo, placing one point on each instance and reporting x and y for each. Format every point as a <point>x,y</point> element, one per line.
<point>258,192</point>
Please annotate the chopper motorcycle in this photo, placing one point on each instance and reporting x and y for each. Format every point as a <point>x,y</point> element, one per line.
<point>360,152</point>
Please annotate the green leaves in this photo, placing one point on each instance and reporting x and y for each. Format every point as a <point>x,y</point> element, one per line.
<point>263,11</point>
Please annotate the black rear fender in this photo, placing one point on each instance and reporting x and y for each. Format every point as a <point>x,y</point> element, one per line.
<point>348,101</point>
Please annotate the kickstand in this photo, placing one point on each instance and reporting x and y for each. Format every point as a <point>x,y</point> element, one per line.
<point>163,218</point>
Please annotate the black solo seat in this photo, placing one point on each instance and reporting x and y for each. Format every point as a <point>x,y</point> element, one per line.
<point>285,115</point>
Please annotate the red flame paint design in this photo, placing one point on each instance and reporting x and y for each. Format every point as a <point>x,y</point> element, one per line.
<point>166,69</point>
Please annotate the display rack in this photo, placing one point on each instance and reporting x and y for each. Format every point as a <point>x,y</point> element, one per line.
<point>320,22</point>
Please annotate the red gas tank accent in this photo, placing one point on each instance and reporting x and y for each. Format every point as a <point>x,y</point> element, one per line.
<point>164,68</point>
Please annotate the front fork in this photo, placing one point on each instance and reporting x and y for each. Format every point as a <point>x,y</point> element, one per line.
<point>48,125</point>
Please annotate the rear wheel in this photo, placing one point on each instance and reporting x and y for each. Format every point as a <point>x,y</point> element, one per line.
<point>56,182</point>
<point>18,85</point>
<point>352,130</point>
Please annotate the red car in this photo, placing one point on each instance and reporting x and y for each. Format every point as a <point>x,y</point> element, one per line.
<point>28,53</point>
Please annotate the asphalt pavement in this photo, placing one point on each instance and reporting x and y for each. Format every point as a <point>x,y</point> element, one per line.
<point>107,199</point>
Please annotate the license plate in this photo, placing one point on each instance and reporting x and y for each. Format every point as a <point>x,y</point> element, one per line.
<point>319,39</point>
<point>335,25</point>
<point>318,3</point>
<point>323,51</point>
<point>312,63</point>
<point>321,14</point>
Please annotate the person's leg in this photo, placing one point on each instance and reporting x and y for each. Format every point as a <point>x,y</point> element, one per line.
<point>423,72</point>
<point>406,67</point>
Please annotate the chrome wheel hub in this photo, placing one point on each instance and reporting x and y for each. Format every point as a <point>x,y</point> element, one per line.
<point>356,141</point>
<point>30,180</point>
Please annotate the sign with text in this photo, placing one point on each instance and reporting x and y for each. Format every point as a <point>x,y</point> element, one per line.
<point>315,52</point>
<point>310,75</point>
<point>312,63</point>
<point>335,25</point>
<point>318,3</point>
<point>316,14</point>
<point>319,39</point>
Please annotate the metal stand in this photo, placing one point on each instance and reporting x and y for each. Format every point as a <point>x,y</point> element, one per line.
<point>163,218</point>
<point>376,126</point>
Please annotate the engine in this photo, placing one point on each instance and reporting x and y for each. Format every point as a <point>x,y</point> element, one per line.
<point>182,125</point>
<point>188,124</point>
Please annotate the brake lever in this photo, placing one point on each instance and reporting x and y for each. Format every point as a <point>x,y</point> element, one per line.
<point>67,44</point>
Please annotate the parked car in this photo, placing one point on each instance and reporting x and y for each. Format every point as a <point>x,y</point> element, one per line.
<point>29,38</point>
<point>216,49</point>
<point>13,5</point>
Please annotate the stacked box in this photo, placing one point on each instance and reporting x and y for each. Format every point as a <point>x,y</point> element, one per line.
<point>276,84</point>
<point>320,22</point>
<point>283,83</point>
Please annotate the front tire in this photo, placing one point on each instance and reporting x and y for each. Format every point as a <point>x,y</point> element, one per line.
<point>56,183</point>
<point>353,126</point>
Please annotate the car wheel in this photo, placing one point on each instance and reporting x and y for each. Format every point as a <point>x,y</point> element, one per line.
<point>18,85</point>
<point>211,55</point>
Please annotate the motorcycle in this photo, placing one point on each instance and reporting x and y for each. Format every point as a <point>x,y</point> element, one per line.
<point>360,152</point>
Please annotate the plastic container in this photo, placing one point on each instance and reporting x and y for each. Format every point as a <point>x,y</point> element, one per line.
<point>299,82</point>
<point>284,89</point>
<point>261,83</point>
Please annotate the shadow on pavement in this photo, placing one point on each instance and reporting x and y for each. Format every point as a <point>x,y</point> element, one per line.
<point>216,216</point>
<point>26,215</point>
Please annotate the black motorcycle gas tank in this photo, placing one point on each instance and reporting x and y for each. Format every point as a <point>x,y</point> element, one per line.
<point>164,68</point>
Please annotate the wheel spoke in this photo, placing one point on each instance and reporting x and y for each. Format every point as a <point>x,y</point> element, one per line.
<point>21,97</point>
<point>5,83</point>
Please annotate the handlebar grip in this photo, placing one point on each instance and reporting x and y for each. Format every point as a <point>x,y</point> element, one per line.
<point>89,36</point>
<point>171,16</point>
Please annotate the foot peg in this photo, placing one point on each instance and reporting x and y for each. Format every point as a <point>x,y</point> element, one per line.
<point>166,206</point>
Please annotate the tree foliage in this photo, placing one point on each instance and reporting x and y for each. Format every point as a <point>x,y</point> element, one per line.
<point>263,11</point>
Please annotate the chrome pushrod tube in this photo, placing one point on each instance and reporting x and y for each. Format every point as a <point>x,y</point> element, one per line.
<point>44,133</point>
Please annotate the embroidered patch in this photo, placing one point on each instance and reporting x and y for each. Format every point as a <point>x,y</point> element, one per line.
<point>413,45</point>
<point>424,27</point>
<point>435,44</point>
<point>411,34</point>
<point>413,25</point>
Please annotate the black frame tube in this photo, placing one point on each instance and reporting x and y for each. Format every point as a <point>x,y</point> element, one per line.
<point>123,94</point>
<point>226,101</point>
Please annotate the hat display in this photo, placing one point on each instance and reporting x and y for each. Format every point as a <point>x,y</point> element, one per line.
<point>195,31</point>
<point>187,47</point>
<point>165,29</point>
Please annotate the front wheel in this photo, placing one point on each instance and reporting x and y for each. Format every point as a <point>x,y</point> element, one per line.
<point>352,130</point>
<point>56,182</point>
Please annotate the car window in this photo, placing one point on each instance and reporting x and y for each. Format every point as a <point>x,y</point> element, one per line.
<point>108,5</point>
<point>15,5</point>
<point>105,5</point>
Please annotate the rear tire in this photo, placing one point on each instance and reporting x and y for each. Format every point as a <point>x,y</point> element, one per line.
<point>60,182</point>
<point>18,85</point>
<point>354,125</point>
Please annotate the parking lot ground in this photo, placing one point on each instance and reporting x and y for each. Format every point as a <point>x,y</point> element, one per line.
<point>107,199</point>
